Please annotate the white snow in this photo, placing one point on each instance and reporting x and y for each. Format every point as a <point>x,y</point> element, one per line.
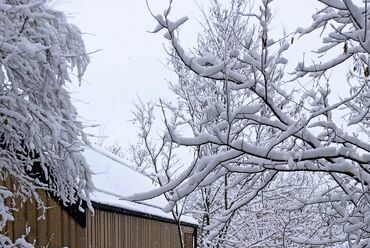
<point>113,180</point>
<point>175,25</point>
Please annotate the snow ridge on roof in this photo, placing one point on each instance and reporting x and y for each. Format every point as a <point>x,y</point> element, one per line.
<point>113,179</point>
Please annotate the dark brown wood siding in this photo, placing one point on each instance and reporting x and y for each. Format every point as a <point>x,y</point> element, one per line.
<point>105,229</point>
<point>57,229</point>
<point>115,230</point>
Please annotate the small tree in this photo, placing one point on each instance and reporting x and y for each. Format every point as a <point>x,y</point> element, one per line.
<point>155,155</point>
<point>41,139</point>
<point>261,130</point>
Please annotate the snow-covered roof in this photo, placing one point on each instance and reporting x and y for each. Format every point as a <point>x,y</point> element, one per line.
<point>116,179</point>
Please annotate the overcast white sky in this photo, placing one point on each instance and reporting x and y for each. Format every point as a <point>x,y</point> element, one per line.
<point>132,61</point>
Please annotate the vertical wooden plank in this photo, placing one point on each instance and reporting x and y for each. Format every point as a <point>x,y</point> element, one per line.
<point>114,230</point>
<point>104,229</point>
<point>19,219</point>
<point>31,220</point>
<point>9,228</point>
<point>116,227</point>
<point>151,239</point>
<point>119,243</point>
<point>72,232</point>
<point>42,225</point>
<point>145,232</point>
<point>139,231</point>
<point>119,231</point>
<point>188,240</point>
<point>129,234</point>
<point>65,228</point>
<point>147,223</point>
<point>93,229</point>
<point>88,229</point>
<point>128,229</point>
<point>124,234</point>
<point>163,234</point>
<point>166,234</point>
<point>142,233</point>
<point>154,241</point>
<point>54,223</point>
<point>159,233</point>
<point>135,230</point>
<point>96,230</point>
<point>80,236</point>
<point>172,238</point>
<point>90,226</point>
<point>137,225</point>
<point>152,234</point>
<point>109,229</point>
<point>175,234</point>
<point>100,228</point>
<point>123,230</point>
<point>148,227</point>
<point>131,231</point>
<point>120,238</point>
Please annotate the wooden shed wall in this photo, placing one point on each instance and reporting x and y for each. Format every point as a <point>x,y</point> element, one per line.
<point>109,229</point>
<point>58,229</point>
<point>105,229</point>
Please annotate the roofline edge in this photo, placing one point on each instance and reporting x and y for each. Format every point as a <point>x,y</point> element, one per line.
<point>120,210</point>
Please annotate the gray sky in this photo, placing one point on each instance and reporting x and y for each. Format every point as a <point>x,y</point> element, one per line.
<point>132,61</point>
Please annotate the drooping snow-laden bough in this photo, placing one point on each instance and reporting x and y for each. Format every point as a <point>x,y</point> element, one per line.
<point>286,154</point>
<point>38,123</point>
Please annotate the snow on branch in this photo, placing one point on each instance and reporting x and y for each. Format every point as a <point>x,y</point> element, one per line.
<point>40,138</point>
<point>251,131</point>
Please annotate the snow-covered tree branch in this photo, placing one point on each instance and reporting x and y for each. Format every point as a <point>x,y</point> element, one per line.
<point>251,130</point>
<point>40,136</point>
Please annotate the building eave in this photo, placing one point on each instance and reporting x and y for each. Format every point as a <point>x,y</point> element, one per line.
<point>114,209</point>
